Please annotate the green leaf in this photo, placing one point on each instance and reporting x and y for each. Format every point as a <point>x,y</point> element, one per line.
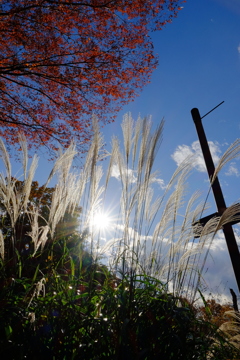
<point>8,331</point>
<point>208,311</point>
<point>19,264</point>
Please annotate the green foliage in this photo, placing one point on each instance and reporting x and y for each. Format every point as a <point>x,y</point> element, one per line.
<point>129,320</point>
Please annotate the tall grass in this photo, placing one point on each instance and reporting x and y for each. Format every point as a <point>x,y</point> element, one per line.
<point>154,228</point>
<point>153,259</point>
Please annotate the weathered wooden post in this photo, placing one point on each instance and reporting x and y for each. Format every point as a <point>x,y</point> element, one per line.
<point>218,195</point>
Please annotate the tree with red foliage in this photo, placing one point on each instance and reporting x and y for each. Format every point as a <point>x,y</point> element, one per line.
<point>62,60</point>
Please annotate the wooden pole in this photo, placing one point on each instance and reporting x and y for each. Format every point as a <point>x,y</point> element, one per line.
<point>218,195</point>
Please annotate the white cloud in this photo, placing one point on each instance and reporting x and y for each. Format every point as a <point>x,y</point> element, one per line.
<point>160,182</point>
<point>232,170</point>
<point>131,174</point>
<point>194,151</point>
<point>219,276</point>
<point>132,178</point>
<point>115,172</point>
<point>238,48</point>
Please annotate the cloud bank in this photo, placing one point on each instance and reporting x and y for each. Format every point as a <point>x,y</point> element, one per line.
<point>195,153</point>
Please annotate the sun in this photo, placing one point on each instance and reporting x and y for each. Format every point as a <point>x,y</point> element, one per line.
<point>100,221</point>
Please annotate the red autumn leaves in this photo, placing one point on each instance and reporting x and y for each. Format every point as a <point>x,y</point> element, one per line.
<point>61,61</point>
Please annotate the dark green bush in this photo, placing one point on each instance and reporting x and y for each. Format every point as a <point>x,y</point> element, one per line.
<point>131,320</point>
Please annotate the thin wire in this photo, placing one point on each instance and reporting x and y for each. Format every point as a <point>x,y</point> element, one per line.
<point>212,109</point>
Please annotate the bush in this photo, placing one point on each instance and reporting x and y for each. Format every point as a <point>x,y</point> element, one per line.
<point>133,320</point>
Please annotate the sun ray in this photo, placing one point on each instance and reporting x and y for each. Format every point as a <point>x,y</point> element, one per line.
<point>100,221</point>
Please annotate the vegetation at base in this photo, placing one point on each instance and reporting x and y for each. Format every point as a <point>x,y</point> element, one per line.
<point>58,298</point>
<point>74,319</point>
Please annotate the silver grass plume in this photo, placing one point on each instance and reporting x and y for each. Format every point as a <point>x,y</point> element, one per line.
<point>154,234</point>
<point>233,152</point>
<point>171,253</point>
<point>231,328</point>
<point>14,200</point>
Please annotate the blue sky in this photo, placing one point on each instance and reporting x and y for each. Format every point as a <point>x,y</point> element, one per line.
<point>199,66</point>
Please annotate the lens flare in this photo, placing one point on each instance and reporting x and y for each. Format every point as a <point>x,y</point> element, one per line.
<point>101,221</point>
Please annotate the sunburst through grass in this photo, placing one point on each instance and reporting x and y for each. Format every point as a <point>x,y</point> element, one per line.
<point>101,221</point>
